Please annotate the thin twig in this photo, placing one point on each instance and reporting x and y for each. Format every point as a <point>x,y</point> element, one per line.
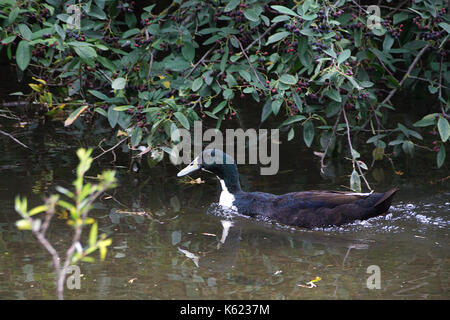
<point>322,158</point>
<point>110,149</point>
<point>351,150</point>
<point>9,135</point>
<point>261,36</point>
<point>249,62</point>
<point>201,59</point>
<point>393,91</point>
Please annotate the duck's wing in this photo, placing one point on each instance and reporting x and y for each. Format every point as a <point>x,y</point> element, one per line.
<point>324,198</point>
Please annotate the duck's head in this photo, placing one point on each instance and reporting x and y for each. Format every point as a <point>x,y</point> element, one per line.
<point>217,162</point>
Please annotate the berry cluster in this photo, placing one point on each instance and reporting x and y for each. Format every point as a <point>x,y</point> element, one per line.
<point>79,37</point>
<point>126,7</point>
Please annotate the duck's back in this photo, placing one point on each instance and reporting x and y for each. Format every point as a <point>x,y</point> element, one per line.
<point>314,208</point>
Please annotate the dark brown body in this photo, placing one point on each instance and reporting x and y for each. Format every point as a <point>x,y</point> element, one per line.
<point>314,208</point>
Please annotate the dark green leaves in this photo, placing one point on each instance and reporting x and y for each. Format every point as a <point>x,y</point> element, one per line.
<point>182,119</point>
<point>440,157</point>
<point>355,181</point>
<point>444,128</point>
<point>231,5</point>
<point>277,37</point>
<point>23,55</point>
<point>188,51</point>
<point>308,133</point>
<point>197,84</point>
<point>284,10</point>
<point>333,94</point>
<point>288,79</point>
<point>343,56</point>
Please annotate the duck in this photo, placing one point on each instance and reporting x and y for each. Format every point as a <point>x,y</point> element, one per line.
<point>304,209</point>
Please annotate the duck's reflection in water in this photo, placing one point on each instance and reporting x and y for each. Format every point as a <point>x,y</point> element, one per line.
<point>224,256</point>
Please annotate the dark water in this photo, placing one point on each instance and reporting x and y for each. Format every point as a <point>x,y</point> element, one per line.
<point>169,244</point>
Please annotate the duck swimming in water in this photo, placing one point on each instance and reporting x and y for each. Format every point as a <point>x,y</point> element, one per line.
<point>306,209</point>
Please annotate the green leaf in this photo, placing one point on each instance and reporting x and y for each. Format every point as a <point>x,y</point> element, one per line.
<point>197,84</point>
<point>231,5</point>
<point>251,15</point>
<point>23,55</point>
<point>119,83</point>
<point>284,10</point>
<point>25,31</point>
<point>130,33</point>
<point>333,94</point>
<point>298,101</point>
<point>292,120</point>
<point>355,181</point>
<point>291,134</point>
<point>113,116</point>
<point>344,56</point>
<point>266,111</point>
<point>440,157</point>
<point>74,115</point>
<point>428,120</point>
<point>443,128</point>
<point>308,133</point>
<point>288,79</point>
<point>445,26</point>
<point>182,119</point>
<point>277,37</point>
<point>93,234</point>
<point>9,39</point>
<point>85,52</point>
<point>276,106</point>
<point>23,224</point>
<point>408,147</point>
<point>13,15</point>
<point>188,51</point>
<point>136,136</point>
<point>387,43</point>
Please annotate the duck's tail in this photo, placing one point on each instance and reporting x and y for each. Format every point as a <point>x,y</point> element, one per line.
<point>384,203</point>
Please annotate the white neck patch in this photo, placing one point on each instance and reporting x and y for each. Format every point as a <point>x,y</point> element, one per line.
<point>226,198</point>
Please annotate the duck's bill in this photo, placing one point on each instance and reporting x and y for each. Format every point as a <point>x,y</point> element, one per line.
<point>192,167</point>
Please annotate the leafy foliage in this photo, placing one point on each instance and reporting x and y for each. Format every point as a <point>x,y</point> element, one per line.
<point>83,198</point>
<point>150,71</point>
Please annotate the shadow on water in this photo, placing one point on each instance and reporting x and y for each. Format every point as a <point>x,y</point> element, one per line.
<point>169,243</point>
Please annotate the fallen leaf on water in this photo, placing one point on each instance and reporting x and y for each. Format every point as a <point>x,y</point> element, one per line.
<point>190,255</point>
<point>132,280</point>
<point>399,173</point>
<point>194,181</point>
<point>310,284</point>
